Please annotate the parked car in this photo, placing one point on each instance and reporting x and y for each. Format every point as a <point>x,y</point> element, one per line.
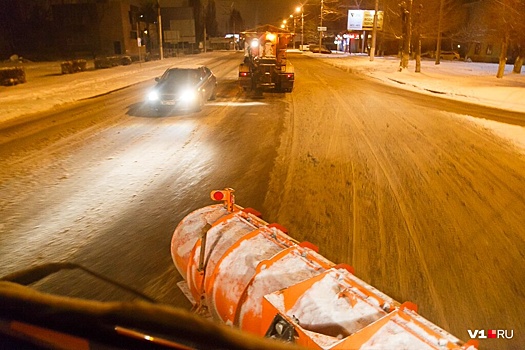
<point>445,55</point>
<point>429,54</point>
<point>183,88</point>
<point>450,55</point>
<point>315,49</point>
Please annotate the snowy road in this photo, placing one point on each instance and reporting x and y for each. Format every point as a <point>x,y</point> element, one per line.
<point>425,204</point>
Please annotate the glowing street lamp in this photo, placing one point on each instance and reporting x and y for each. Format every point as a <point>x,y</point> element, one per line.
<point>300,9</point>
<point>293,19</point>
<point>320,27</point>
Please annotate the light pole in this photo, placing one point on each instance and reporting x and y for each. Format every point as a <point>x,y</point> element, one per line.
<point>302,25</point>
<point>374,32</point>
<point>297,10</point>
<point>161,53</point>
<point>293,19</point>
<point>320,27</point>
<point>139,39</point>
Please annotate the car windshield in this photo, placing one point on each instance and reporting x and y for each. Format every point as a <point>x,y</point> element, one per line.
<point>182,76</point>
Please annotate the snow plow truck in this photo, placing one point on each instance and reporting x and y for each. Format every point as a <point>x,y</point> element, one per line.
<point>265,67</point>
<point>247,273</point>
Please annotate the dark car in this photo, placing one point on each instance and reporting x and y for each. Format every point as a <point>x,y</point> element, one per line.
<point>183,88</point>
<point>315,49</point>
<point>445,55</point>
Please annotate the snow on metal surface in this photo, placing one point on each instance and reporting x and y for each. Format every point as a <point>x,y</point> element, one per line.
<point>188,232</point>
<point>394,336</point>
<point>329,306</point>
<point>238,267</point>
<point>424,328</point>
<point>387,301</point>
<point>289,270</point>
<point>254,271</point>
<point>222,236</point>
<point>219,239</point>
<point>405,329</point>
<point>248,261</point>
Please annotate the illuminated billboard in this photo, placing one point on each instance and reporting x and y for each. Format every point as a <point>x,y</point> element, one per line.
<point>364,20</point>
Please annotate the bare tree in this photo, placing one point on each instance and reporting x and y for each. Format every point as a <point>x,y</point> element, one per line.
<point>517,33</point>
<point>148,9</point>
<point>210,14</point>
<point>504,23</point>
<point>27,26</point>
<point>405,10</point>
<point>417,36</point>
<point>236,21</point>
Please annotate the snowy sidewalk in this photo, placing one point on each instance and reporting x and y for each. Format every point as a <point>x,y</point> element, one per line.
<point>47,87</point>
<point>466,81</point>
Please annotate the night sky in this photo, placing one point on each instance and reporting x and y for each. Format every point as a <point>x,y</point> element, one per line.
<point>255,12</point>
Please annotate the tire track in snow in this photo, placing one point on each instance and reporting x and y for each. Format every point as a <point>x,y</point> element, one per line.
<point>387,170</point>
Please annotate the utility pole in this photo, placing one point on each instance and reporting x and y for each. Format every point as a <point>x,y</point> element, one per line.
<point>293,18</point>
<point>302,28</point>
<point>204,36</point>
<point>438,48</point>
<point>374,32</point>
<point>320,27</point>
<point>161,53</point>
<point>139,41</point>
<point>204,16</point>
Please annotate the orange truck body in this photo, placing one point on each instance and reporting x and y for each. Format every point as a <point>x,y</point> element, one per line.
<point>265,66</point>
<point>250,274</point>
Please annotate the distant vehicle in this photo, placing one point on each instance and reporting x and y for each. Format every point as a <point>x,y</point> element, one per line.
<point>315,49</point>
<point>183,88</point>
<point>445,55</point>
<point>265,67</point>
<point>304,47</point>
<point>450,55</point>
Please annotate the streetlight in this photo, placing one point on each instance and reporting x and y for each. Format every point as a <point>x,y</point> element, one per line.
<point>321,27</point>
<point>300,9</point>
<point>139,39</point>
<point>293,19</point>
<point>159,20</point>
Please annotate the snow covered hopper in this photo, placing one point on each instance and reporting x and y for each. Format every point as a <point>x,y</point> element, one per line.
<point>250,274</point>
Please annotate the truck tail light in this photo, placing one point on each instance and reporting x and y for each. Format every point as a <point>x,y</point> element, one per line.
<point>244,74</point>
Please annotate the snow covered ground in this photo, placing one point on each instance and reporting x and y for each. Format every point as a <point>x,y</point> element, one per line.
<point>458,80</point>
<point>49,203</point>
<point>47,88</point>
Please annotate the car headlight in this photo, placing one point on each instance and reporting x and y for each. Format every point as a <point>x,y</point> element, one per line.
<point>188,95</point>
<point>153,96</point>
